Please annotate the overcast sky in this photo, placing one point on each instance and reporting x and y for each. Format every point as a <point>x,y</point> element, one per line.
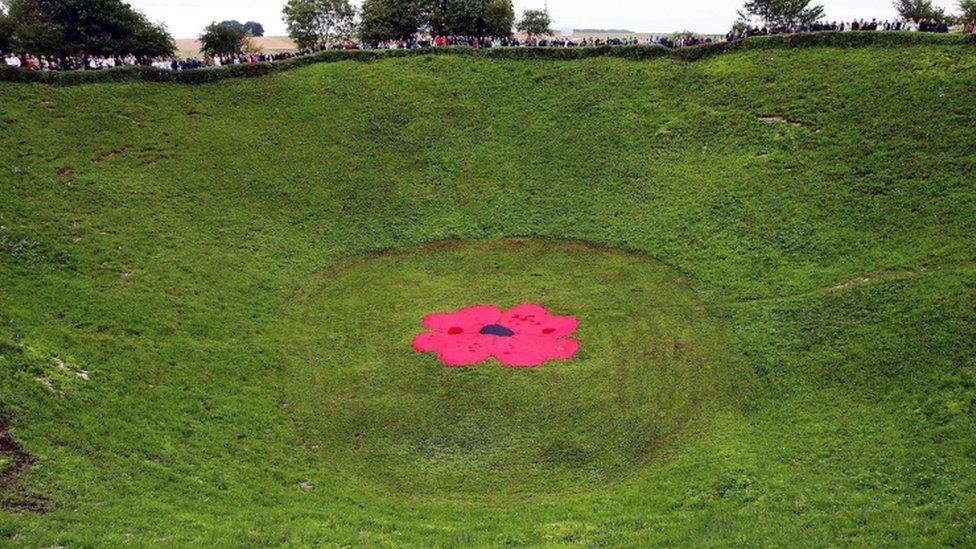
<point>186,18</point>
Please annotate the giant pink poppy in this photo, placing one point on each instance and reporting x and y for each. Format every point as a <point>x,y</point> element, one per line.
<point>524,336</point>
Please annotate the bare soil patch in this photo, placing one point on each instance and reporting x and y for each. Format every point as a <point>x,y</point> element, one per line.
<point>779,120</point>
<point>19,461</point>
<point>111,154</point>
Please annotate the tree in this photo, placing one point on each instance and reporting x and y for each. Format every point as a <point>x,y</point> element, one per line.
<point>256,29</point>
<point>453,18</point>
<point>6,29</point>
<point>223,39</point>
<point>319,22</point>
<point>151,40</point>
<point>250,45</point>
<point>535,23</point>
<point>782,13</point>
<point>233,23</point>
<point>252,27</point>
<point>402,19</point>
<point>69,27</point>
<point>499,18</point>
<point>968,8</point>
<point>918,10</point>
<point>30,30</point>
<point>391,19</point>
<point>968,15</point>
<point>471,17</point>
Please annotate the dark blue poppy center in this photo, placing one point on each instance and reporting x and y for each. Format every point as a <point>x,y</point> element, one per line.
<point>497,330</point>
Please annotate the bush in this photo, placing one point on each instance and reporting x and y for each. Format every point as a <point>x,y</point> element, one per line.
<point>223,38</point>
<point>203,76</point>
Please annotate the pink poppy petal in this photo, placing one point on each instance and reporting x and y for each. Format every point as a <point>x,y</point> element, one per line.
<point>429,341</point>
<point>525,351</point>
<point>565,348</point>
<point>531,319</point>
<point>455,350</point>
<point>469,320</point>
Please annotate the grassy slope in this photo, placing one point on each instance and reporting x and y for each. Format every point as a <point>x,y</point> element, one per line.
<point>838,251</point>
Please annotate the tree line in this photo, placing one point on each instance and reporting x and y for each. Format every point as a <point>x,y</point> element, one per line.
<point>314,23</point>
<point>319,23</point>
<point>792,13</point>
<point>70,27</point>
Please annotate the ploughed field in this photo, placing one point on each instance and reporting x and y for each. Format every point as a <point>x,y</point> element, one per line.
<point>209,299</point>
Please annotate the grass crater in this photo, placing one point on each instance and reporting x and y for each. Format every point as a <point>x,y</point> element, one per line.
<point>652,362</point>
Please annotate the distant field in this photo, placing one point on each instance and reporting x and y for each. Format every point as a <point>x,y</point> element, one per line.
<point>190,47</point>
<point>211,295</point>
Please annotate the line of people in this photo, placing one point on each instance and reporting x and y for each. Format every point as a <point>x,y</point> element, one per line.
<point>534,42</point>
<point>852,26</point>
<point>175,63</point>
<point>99,62</point>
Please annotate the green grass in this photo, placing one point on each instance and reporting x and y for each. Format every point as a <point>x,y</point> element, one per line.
<point>197,250</point>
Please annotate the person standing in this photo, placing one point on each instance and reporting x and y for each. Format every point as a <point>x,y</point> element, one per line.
<point>13,60</point>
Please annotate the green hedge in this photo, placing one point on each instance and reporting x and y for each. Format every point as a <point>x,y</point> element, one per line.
<point>202,76</point>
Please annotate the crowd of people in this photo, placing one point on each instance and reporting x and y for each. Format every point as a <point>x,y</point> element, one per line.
<point>99,62</point>
<point>175,63</point>
<point>533,42</point>
<point>856,25</point>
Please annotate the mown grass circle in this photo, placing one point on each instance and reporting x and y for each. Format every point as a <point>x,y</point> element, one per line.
<point>651,362</point>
